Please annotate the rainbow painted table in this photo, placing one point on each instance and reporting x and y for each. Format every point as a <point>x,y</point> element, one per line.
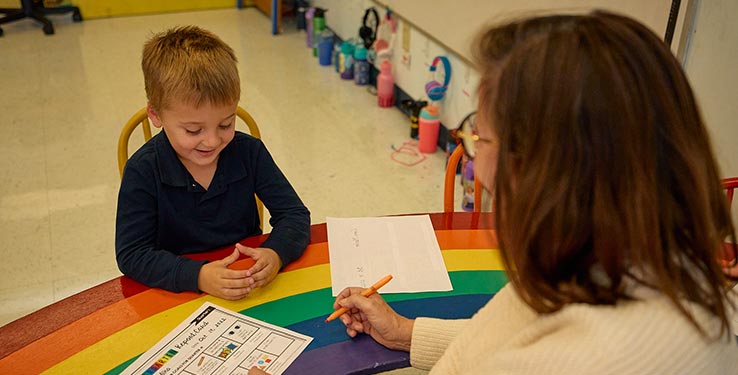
<point>103,329</point>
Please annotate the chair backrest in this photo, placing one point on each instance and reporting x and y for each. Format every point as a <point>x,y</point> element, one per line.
<point>730,184</point>
<point>141,118</point>
<point>450,182</point>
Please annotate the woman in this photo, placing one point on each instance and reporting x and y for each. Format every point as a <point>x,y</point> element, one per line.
<point>609,213</point>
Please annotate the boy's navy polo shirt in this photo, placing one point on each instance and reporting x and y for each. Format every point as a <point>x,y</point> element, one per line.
<point>163,212</point>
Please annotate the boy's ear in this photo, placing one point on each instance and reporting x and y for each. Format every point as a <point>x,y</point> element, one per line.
<point>153,115</point>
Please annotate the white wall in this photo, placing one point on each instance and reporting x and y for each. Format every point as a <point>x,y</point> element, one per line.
<point>712,67</point>
<point>454,23</point>
<point>345,17</point>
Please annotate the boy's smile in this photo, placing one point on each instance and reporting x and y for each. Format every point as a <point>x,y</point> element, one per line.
<point>197,134</point>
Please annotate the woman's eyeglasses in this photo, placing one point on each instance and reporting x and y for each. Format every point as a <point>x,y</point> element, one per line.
<point>467,132</point>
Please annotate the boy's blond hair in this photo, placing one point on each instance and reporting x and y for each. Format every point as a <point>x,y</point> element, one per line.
<point>191,65</point>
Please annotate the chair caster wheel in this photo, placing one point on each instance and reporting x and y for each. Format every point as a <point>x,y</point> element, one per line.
<point>77,16</point>
<point>49,29</point>
<point>1,32</point>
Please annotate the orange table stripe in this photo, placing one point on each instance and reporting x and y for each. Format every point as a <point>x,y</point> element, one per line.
<point>316,253</point>
<point>124,313</point>
<point>50,350</point>
<point>467,239</point>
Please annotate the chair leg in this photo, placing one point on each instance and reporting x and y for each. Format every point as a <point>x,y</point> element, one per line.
<point>36,10</point>
<point>10,10</point>
<point>11,15</point>
<point>76,14</point>
<point>48,27</point>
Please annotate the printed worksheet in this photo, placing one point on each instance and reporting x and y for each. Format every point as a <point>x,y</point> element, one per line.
<point>363,250</point>
<point>217,341</point>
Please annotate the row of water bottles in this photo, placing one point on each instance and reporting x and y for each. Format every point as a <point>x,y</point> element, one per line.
<point>350,61</point>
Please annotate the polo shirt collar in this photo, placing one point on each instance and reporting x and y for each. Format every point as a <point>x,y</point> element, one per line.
<point>230,165</point>
<point>171,169</point>
<point>173,172</point>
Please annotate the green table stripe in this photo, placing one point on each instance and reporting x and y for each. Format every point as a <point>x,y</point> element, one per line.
<point>283,312</point>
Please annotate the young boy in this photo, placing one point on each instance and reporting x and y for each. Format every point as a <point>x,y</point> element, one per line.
<point>191,187</point>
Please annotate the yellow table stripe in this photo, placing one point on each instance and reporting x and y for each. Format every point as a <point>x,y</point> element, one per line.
<point>472,260</point>
<point>138,338</point>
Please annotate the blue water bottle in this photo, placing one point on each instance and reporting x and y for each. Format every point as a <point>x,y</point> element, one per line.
<point>325,47</point>
<point>361,66</point>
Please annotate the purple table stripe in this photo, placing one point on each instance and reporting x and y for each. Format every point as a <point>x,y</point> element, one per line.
<point>360,355</point>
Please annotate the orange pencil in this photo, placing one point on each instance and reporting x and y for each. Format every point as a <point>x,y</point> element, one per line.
<point>366,293</point>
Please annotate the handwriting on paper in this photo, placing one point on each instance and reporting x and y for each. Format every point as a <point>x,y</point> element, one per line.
<point>363,250</point>
<point>355,238</point>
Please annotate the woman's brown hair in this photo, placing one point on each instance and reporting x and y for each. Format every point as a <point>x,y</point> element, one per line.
<point>605,170</point>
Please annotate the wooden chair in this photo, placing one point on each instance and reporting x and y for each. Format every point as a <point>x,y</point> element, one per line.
<point>730,184</point>
<point>141,118</point>
<point>450,182</point>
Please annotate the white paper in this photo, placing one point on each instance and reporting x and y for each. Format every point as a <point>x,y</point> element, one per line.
<point>214,340</point>
<point>363,250</point>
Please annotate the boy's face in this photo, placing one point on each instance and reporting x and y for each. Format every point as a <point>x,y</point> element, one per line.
<point>198,135</point>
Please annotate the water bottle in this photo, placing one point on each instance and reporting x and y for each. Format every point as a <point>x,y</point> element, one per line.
<point>318,27</point>
<point>413,108</point>
<point>429,123</point>
<point>337,56</point>
<point>347,60</point>
<point>309,26</point>
<point>302,6</point>
<point>361,66</point>
<point>467,183</point>
<point>452,142</point>
<point>385,85</point>
<point>325,48</point>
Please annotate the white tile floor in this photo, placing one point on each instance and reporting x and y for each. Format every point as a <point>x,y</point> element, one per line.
<point>64,98</point>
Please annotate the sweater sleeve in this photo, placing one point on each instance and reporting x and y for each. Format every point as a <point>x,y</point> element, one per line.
<point>290,219</point>
<point>430,339</point>
<point>641,336</point>
<point>135,236</point>
<point>443,344</point>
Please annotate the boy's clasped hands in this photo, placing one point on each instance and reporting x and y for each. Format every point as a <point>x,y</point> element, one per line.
<point>217,279</point>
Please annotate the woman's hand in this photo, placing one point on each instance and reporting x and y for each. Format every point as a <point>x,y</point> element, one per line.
<point>373,316</point>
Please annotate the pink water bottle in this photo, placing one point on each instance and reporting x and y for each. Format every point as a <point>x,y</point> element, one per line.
<point>385,85</point>
<point>429,123</point>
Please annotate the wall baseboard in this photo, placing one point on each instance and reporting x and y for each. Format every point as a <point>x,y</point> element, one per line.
<point>108,8</point>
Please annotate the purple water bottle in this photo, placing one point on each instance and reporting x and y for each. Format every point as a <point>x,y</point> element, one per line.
<point>309,25</point>
<point>467,183</point>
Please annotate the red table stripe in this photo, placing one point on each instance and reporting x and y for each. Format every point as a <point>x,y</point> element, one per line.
<point>55,321</point>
